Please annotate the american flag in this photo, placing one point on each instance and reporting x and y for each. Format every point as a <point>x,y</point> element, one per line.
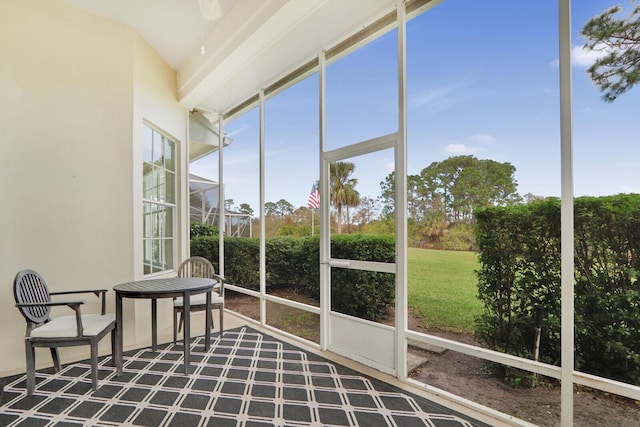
<point>314,198</point>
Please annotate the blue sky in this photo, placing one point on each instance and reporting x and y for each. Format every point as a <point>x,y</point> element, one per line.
<point>482,79</point>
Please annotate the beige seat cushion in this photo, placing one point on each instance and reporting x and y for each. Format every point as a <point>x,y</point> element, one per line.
<point>65,326</point>
<point>199,299</point>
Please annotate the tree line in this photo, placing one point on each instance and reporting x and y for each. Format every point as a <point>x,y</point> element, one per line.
<point>442,194</point>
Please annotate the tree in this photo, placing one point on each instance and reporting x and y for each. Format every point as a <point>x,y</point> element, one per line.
<point>619,39</point>
<point>352,199</point>
<point>460,184</point>
<point>281,208</point>
<point>388,195</point>
<point>246,209</point>
<point>367,211</point>
<point>284,208</point>
<point>341,187</point>
<point>270,209</point>
<point>530,197</point>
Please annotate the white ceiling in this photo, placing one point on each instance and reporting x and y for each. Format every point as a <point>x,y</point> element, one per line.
<point>175,28</point>
<point>255,43</point>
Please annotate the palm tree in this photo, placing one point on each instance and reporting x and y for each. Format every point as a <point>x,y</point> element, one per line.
<point>352,198</point>
<point>342,187</point>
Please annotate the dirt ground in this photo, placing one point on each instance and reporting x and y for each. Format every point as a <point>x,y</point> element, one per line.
<point>470,377</point>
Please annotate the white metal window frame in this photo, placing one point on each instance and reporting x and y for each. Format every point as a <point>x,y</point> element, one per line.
<point>167,260</point>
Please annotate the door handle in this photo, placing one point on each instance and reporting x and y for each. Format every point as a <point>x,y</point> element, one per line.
<point>340,264</point>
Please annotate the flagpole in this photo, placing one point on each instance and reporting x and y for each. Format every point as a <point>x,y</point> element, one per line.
<point>312,216</point>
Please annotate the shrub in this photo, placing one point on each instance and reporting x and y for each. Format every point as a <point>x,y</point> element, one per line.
<point>362,293</point>
<point>197,229</point>
<point>520,267</point>
<point>295,263</point>
<point>283,266</point>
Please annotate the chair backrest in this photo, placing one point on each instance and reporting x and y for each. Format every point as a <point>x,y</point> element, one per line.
<point>30,288</point>
<point>196,266</point>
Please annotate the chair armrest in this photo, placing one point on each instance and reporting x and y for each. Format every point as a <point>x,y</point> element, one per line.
<point>96,292</point>
<point>221,281</point>
<point>72,304</point>
<point>219,278</point>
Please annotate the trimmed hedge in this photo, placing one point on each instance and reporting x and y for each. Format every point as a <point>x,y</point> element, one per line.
<point>295,263</point>
<point>197,228</point>
<point>520,268</point>
<point>362,293</point>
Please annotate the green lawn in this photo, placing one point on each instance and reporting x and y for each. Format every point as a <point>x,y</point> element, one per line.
<point>443,288</point>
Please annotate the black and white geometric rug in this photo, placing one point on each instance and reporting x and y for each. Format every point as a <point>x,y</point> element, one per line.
<point>246,379</point>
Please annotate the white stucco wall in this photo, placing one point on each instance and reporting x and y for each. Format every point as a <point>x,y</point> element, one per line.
<point>74,91</point>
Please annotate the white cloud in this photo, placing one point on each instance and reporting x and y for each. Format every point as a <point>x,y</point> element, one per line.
<point>462,149</point>
<point>436,100</point>
<point>585,58</point>
<point>581,57</point>
<point>482,138</point>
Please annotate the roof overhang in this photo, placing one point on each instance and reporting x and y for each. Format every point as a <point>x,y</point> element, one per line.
<point>254,46</point>
<point>251,45</point>
<point>203,136</point>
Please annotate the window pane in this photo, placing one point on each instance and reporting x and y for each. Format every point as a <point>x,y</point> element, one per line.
<point>147,144</point>
<point>147,181</point>
<point>147,256</point>
<point>294,321</point>
<point>242,195</point>
<point>156,221</point>
<point>204,189</point>
<point>291,171</point>
<point>170,187</point>
<point>606,151</point>
<point>169,151</point>
<point>155,255</point>
<point>362,192</point>
<point>147,219</point>
<point>246,305</point>
<point>373,288</point>
<point>156,153</point>
<point>168,222</point>
<point>168,254</point>
<point>482,131</point>
<point>160,189</point>
<point>362,93</point>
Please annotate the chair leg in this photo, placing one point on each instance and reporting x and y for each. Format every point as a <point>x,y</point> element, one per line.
<point>31,367</point>
<point>175,325</point>
<point>113,346</point>
<point>181,321</point>
<point>221,319</point>
<point>94,363</point>
<point>56,359</point>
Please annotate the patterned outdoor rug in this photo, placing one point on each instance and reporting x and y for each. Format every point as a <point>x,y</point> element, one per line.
<point>247,379</point>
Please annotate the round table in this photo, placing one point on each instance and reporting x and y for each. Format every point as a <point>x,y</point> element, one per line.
<point>162,288</point>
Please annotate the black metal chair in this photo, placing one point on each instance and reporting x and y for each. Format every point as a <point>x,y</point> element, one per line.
<point>199,267</point>
<point>33,299</point>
